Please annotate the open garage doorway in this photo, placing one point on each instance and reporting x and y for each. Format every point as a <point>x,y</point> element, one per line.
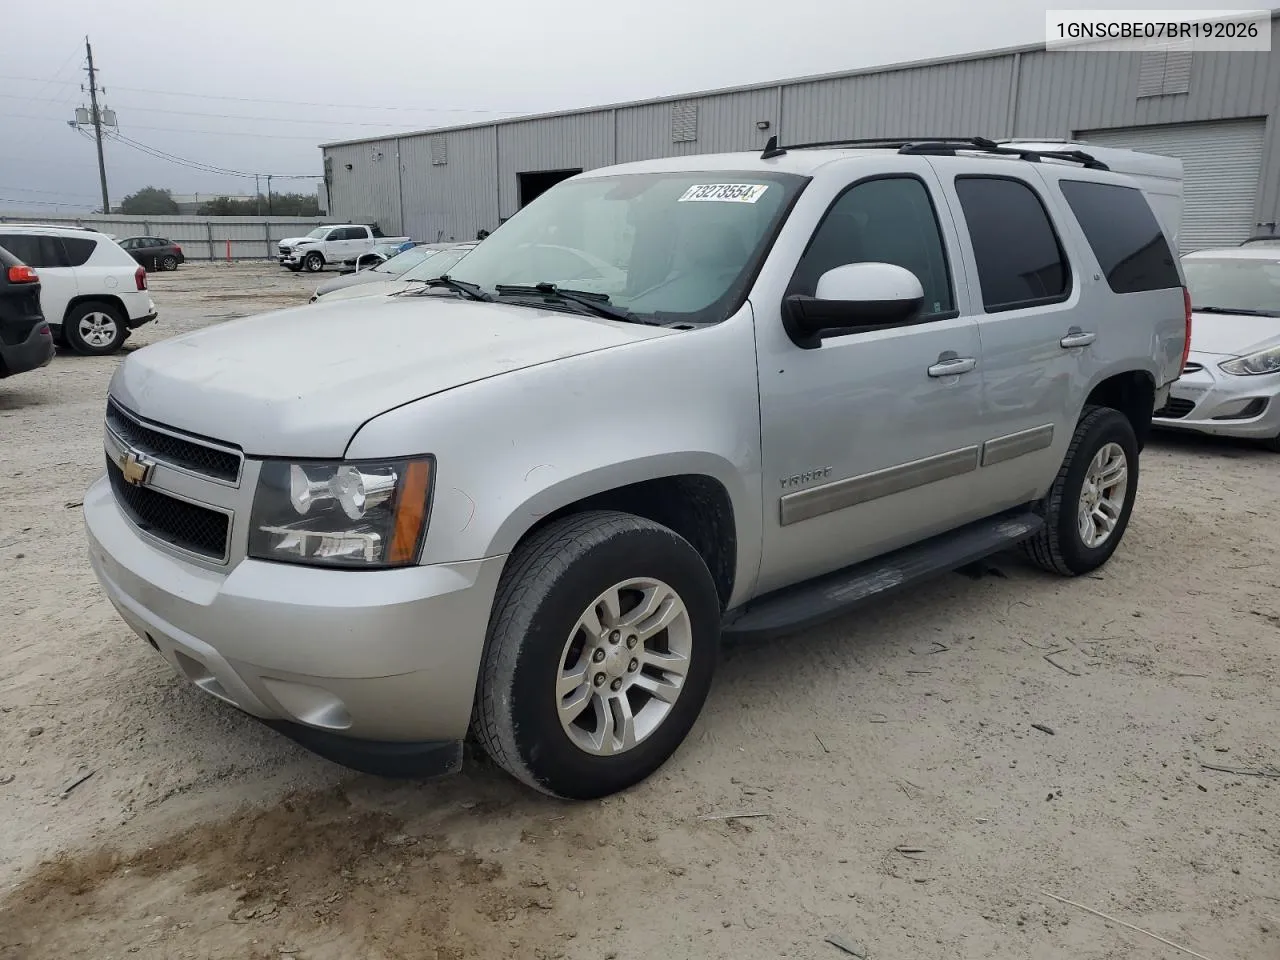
<point>533,185</point>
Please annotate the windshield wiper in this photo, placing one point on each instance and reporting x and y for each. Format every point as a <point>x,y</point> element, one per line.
<point>597,303</point>
<point>1239,310</point>
<point>468,290</point>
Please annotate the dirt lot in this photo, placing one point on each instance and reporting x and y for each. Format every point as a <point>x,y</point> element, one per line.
<point>901,799</point>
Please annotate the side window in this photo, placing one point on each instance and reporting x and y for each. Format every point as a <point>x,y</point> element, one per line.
<point>34,250</point>
<point>1020,261</point>
<point>888,220</point>
<point>79,250</point>
<point>1124,234</point>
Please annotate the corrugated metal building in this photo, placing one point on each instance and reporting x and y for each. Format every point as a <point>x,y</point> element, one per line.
<point>1214,111</point>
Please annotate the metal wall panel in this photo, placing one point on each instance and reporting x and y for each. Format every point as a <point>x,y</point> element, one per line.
<point>371,186</point>
<point>556,143</point>
<point>726,122</point>
<point>454,199</point>
<point>968,98</point>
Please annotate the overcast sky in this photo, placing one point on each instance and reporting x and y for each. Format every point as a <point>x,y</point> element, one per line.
<point>244,84</point>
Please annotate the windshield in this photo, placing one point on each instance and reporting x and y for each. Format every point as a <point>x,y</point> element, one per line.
<point>401,262</point>
<point>680,245</point>
<point>1234,285</point>
<point>435,264</point>
<point>1262,242</point>
<point>318,233</point>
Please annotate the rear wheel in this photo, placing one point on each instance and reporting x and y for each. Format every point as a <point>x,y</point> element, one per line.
<point>1088,507</point>
<point>94,328</point>
<point>313,262</point>
<point>601,648</point>
<point>169,263</point>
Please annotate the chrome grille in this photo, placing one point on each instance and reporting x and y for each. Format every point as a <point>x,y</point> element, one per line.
<point>219,463</point>
<point>186,526</point>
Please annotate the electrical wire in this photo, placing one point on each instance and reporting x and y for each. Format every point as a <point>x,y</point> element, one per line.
<point>311,138</point>
<point>291,103</point>
<point>205,167</point>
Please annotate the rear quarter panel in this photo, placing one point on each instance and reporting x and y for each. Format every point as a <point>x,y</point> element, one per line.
<point>521,445</point>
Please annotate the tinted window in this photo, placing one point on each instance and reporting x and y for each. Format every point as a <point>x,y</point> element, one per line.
<point>881,221</point>
<point>79,249</point>
<point>1020,262</point>
<point>1124,235</point>
<point>34,250</point>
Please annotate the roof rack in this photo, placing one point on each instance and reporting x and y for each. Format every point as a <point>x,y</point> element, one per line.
<point>942,146</point>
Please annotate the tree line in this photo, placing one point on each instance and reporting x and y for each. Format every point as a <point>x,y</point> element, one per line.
<point>159,202</point>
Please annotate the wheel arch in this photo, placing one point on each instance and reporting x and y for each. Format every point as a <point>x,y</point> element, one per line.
<point>109,299</point>
<point>1130,392</point>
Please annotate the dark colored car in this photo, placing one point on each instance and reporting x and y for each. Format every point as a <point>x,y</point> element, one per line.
<point>154,253</point>
<point>25,340</point>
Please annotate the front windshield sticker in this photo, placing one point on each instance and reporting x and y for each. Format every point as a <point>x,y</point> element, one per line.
<point>725,192</point>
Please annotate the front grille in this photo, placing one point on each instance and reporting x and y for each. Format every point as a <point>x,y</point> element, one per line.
<point>187,454</point>
<point>285,251</point>
<point>184,525</point>
<point>1175,409</point>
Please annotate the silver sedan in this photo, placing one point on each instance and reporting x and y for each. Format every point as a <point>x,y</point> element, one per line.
<point>1231,383</point>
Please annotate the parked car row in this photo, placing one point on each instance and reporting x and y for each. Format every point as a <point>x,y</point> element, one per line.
<point>419,263</point>
<point>333,244</point>
<point>92,293</point>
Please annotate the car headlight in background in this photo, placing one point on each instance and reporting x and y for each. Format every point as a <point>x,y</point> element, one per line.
<point>1264,361</point>
<point>357,514</point>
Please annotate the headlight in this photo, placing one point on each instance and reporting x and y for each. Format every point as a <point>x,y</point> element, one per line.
<point>358,514</point>
<point>1264,361</point>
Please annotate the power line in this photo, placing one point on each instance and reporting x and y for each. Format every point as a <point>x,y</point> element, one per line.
<point>46,193</point>
<point>311,138</point>
<point>292,103</point>
<point>40,203</point>
<point>201,165</point>
<point>241,116</point>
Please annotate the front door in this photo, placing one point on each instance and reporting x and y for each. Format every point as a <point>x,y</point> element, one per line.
<point>871,440</point>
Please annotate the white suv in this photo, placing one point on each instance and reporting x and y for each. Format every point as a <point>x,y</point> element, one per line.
<point>92,292</point>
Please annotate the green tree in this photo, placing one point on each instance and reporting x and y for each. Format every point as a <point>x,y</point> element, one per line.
<point>282,205</point>
<point>149,201</point>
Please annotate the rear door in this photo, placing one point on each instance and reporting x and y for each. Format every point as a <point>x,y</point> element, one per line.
<point>57,278</point>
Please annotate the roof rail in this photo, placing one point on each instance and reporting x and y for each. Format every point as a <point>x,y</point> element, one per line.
<point>942,146</point>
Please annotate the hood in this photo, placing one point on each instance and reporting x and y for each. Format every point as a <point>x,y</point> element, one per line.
<point>292,241</point>
<point>1232,335</point>
<point>300,382</point>
<point>379,287</point>
<point>327,288</point>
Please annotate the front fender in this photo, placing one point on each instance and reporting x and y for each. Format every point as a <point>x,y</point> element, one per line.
<point>521,445</point>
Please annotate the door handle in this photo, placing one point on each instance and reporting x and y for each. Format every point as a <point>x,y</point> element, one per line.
<point>1077,338</point>
<point>952,367</point>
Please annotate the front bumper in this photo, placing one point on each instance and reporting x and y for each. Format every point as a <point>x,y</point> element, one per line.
<point>34,352</point>
<point>389,656</point>
<point>1207,400</point>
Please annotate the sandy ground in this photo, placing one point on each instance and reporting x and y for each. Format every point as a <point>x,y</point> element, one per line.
<point>901,800</point>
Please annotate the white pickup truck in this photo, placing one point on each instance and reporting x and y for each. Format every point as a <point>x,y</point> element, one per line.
<point>331,244</point>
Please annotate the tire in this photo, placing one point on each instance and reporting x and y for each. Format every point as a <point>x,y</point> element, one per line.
<point>94,328</point>
<point>169,263</point>
<point>313,262</point>
<point>551,581</point>
<point>1060,547</point>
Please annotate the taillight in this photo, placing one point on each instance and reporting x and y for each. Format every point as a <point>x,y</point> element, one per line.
<point>1186,347</point>
<point>177,249</point>
<point>22,274</point>
<point>140,278</point>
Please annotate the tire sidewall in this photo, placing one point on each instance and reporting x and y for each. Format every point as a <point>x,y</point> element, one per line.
<point>541,742</point>
<point>313,263</point>
<point>1108,427</point>
<point>71,329</point>
<point>169,263</point>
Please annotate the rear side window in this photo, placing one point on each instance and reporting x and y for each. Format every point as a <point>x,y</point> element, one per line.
<point>35,250</point>
<point>1125,237</point>
<point>79,249</point>
<point>1020,261</point>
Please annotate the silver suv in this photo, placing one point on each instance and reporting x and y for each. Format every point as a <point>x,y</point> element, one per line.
<point>666,402</point>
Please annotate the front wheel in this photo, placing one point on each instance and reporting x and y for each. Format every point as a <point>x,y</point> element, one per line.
<point>600,651</point>
<point>169,263</point>
<point>94,329</point>
<point>313,262</point>
<point>1088,507</point>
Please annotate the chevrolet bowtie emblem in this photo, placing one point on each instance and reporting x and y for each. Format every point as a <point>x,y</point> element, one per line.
<point>135,468</point>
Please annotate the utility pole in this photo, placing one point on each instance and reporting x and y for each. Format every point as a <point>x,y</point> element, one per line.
<point>268,194</point>
<point>97,126</point>
<point>257,196</point>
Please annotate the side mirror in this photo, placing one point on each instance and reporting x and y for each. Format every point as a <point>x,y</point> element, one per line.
<point>853,298</point>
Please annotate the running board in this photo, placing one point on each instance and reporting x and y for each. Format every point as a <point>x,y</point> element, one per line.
<point>823,598</point>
